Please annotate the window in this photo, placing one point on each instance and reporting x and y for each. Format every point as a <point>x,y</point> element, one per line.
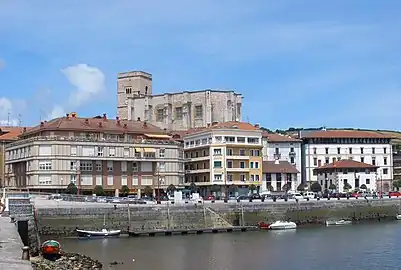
<point>73,165</point>
<point>229,152</point>
<point>73,179</point>
<point>314,150</point>
<point>99,151</point>
<point>229,164</point>
<point>242,152</point>
<point>338,150</point>
<point>159,115</point>
<point>198,112</point>
<point>110,180</point>
<point>98,166</point>
<point>178,113</point>
<point>385,160</point>
<point>217,152</point>
<point>45,179</point>
<point>240,139</point>
<point>350,150</point>
<point>277,151</point>
<point>99,180</point>
<point>385,171</point>
<point>112,152</point>
<point>126,152</point>
<point>314,161</point>
<point>373,161</point>
<point>362,159</point>
<point>385,150</point>
<point>128,90</point>
<point>256,153</point>
<point>217,164</point>
<point>229,177</point>
<point>334,159</point>
<point>292,160</point>
<point>109,166</point>
<point>73,150</point>
<point>251,165</point>
<point>45,165</point>
<point>134,166</point>
<point>256,165</point>
<point>135,180</point>
<point>242,177</point>
<point>373,150</point>
<point>252,178</point>
<point>292,150</point>
<point>123,166</point>
<point>257,179</point>
<point>162,166</point>
<point>124,181</point>
<point>88,151</point>
<point>361,150</point>
<point>229,139</point>
<point>367,181</point>
<point>327,161</point>
<point>217,177</point>
<point>85,166</point>
<point>242,164</point>
<point>86,180</point>
<point>327,150</point>
<point>162,153</point>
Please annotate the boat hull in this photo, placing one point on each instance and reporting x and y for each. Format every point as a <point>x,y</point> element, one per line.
<point>283,226</point>
<point>51,249</point>
<point>338,223</point>
<point>398,217</point>
<point>84,233</point>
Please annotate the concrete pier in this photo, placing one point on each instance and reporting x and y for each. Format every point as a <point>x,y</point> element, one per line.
<point>11,247</point>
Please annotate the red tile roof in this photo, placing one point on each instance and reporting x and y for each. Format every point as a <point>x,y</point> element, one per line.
<point>347,164</point>
<point>10,133</point>
<point>273,137</point>
<point>346,134</point>
<point>224,125</point>
<point>280,167</point>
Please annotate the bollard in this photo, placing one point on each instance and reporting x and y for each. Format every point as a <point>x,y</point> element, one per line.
<point>25,253</point>
<point>172,202</point>
<point>296,200</point>
<point>238,200</point>
<point>286,199</point>
<point>250,199</point>
<point>338,198</point>
<point>274,199</point>
<point>328,198</point>
<point>225,200</point>
<point>307,199</point>
<point>263,198</point>
<point>212,201</point>
<point>389,196</point>
<point>318,198</point>
<point>356,197</point>
<point>115,207</point>
<point>347,197</point>
<point>159,202</point>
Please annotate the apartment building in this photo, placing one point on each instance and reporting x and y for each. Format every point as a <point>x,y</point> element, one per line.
<point>282,148</point>
<point>351,173</point>
<point>396,164</point>
<point>226,156</point>
<point>328,146</point>
<point>94,151</point>
<point>174,111</point>
<point>7,135</point>
<point>280,176</point>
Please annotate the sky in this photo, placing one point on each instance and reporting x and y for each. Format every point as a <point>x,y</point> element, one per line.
<point>306,63</point>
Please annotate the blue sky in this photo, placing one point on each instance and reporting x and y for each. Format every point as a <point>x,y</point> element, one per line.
<point>297,63</point>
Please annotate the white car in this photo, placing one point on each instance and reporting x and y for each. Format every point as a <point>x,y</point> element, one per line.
<point>309,195</point>
<point>298,196</point>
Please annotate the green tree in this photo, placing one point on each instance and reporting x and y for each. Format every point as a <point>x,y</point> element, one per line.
<point>397,184</point>
<point>98,191</point>
<point>287,187</point>
<point>363,186</point>
<point>252,188</point>
<point>316,187</point>
<point>269,187</point>
<point>301,187</point>
<point>347,187</point>
<point>171,188</point>
<point>148,191</point>
<point>215,188</point>
<point>71,189</point>
<point>193,188</point>
<point>332,187</point>
<point>124,191</point>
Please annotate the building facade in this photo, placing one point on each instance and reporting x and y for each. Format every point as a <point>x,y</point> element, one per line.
<point>396,164</point>
<point>174,111</point>
<point>90,152</point>
<point>324,147</point>
<point>226,155</point>
<point>282,148</point>
<point>280,176</point>
<point>351,173</point>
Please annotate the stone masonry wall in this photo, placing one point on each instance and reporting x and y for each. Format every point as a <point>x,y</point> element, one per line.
<point>64,221</point>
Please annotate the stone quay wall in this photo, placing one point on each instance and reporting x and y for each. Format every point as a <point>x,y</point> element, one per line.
<point>150,218</point>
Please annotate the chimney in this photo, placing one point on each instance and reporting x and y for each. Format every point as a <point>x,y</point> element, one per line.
<point>42,123</point>
<point>257,126</point>
<point>214,123</point>
<point>67,115</point>
<point>86,121</point>
<point>117,118</point>
<point>100,124</point>
<point>104,116</point>
<point>138,119</point>
<point>208,124</point>
<point>24,130</point>
<point>125,125</point>
<point>118,122</point>
<point>145,125</point>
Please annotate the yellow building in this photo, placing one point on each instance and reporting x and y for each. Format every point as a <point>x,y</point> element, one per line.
<point>225,158</point>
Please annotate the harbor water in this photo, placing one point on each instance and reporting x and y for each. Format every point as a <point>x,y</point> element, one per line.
<point>361,246</point>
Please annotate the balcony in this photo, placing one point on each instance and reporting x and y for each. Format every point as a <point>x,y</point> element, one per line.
<point>237,157</point>
<point>197,171</point>
<point>237,169</point>
<point>292,154</point>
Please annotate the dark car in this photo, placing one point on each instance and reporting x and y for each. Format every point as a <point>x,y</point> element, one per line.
<point>242,197</point>
<point>256,196</point>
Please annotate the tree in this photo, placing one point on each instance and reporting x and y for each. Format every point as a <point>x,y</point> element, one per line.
<point>252,188</point>
<point>233,188</point>
<point>332,187</point>
<point>316,187</point>
<point>71,189</point>
<point>193,188</point>
<point>171,188</point>
<point>269,187</point>
<point>124,191</point>
<point>287,187</point>
<point>397,184</point>
<point>363,186</point>
<point>347,187</point>
<point>301,187</point>
<point>98,191</point>
<point>148,191</point>
<point>215,188</point>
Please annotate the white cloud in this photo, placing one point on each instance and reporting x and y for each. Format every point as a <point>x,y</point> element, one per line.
<point>57,111</point>
<point>6,110</point>
<point>2,63</point>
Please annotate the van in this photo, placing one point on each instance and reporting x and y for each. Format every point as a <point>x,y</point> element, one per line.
<point>297,196</point>
<point>309,194</point>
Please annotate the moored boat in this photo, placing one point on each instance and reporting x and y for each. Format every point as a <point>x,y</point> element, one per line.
<point>102,233</point>
<point>51,249</point>
<point>263,226</point>
<point>283,225</point>
<point>338,222</point>
<point>398,216</point>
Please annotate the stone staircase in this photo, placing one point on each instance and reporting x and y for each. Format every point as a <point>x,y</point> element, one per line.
<point>216,220</point>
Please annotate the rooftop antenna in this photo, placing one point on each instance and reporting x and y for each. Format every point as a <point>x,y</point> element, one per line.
<point>19,120</point>
<point>8,118</point>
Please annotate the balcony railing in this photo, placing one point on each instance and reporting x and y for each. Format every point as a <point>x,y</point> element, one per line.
<point>93,139</point>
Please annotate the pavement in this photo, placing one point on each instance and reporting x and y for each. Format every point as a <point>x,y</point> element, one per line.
<point>11,247</point>
<point>41,203</point>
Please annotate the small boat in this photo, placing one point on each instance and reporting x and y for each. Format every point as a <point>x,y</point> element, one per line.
<point>398,216</point>
<point>51,249</point>
<point>263,226</point>
<point>102,233</point>
<point>283,225</point>
<point>338,222</point>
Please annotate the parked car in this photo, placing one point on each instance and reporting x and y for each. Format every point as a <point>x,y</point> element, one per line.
<point>394,194</point>
<point>210,198</point>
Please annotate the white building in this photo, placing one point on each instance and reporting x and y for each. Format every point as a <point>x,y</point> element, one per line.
<point>356,174</point>
<point>324,147</point>
<point>282,148</point>
<point>225,155</point>
<point>279,176</point>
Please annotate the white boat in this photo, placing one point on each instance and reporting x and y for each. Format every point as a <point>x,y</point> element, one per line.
<point>283,225</point>
<point>102,233</point>
<point>338,222</point>
<point>398,216</point>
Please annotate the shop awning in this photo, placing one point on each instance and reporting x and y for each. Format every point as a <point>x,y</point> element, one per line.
<point>158,136</point>
<point>149,150</point>
<point>138,150</point>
